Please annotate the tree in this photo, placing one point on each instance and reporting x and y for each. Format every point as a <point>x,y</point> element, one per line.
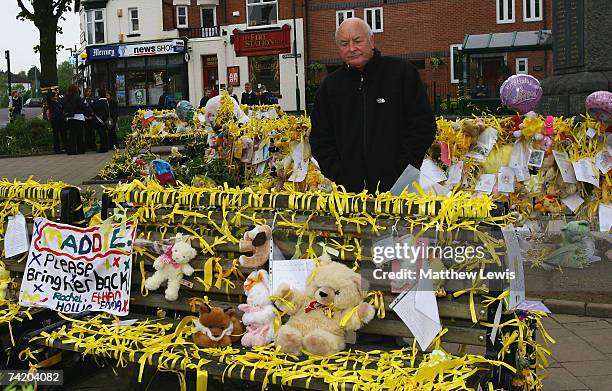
<point>33,74</point>
<point>65,71</point>
<point>45,15</point>
<point>34,78</point>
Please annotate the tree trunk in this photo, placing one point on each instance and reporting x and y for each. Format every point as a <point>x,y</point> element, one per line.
<point>48,54</point>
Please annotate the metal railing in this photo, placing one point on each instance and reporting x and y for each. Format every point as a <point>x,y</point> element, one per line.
<point>199,32</point>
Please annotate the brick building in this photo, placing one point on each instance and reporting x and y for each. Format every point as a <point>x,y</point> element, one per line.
<point>235,41</point>
<point>139,47</point>
<point>429,34</point>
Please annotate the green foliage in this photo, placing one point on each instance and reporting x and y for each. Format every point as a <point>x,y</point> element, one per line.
<point>193,164</point>
<point>215,170</point>
<point>19,388</point>
<point>64,76</point>
<point>124,127</point>
<point>436,62</point>
<point>25,136</point>
<point>3,91</point>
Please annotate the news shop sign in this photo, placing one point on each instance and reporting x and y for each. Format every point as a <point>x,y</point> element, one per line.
<point>72,269</point>
<point>136,50</point>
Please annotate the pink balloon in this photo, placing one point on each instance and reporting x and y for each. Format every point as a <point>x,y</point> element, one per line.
<point>521,93</point>
<point>599,105</point>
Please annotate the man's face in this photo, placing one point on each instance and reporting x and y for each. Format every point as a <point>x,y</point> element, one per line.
<point>207,93</point>
<point>247,88</point>
<point>354,45</point>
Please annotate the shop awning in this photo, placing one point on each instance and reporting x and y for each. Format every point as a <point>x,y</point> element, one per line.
<point>507,42</point>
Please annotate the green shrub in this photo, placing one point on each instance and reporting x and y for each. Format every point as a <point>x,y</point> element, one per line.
<point>26,136</point>
<point>124,127</point>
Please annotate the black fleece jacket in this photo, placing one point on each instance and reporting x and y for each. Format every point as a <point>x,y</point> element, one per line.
<point>368,126</point>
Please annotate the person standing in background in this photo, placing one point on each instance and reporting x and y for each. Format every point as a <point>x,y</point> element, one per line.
<point>249,97</point>
<point>101,114</point>
<point>90,126</point>
<point>114,115</point>
<point>264,97</point>
<point>55,115</point>
<point>74,111</point>
<point>15,105</point>
<point>206,97</point>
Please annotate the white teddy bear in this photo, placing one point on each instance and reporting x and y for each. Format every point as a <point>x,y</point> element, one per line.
<point>258,312</point>
<point>171,266</point>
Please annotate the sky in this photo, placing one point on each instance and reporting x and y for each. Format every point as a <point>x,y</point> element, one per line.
<point>20,37</point>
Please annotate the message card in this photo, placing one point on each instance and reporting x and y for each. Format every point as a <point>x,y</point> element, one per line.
<point>72,269</point>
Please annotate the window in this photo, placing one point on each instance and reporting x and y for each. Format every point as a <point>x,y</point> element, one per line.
<point>505,11</point>
<point>374,17</point>
<point>454,60</point>
<point>341,16</point>
<point>208,22</point>
<point>181,17</point>
<point>134,24</point>
<point>262,12</point>
<point>265,71</point>
<point>522,66</point>
<point>532,10</point>
<point>94,22</point>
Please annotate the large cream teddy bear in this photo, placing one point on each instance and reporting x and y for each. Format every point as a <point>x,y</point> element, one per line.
<point>333,289</point>
<point>171,266</point>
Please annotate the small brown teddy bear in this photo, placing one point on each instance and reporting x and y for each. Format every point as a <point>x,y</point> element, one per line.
<point>256,241</point>
<point>472,128</point>
<point>216,328</point>
<point>334,289</point>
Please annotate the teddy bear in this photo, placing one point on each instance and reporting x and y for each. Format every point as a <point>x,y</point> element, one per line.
<point>256,241</point>
<point>243,149</point>
<point>332,292</point>
<point>577,249</point>
<point>216,327</point>
<point>550,204</point>
<point>258,311</point>
<point>171,266</point>
<point>531,125</point>
<point>472,128</point>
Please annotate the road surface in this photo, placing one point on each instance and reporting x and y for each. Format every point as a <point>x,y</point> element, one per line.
<point>30,112</point>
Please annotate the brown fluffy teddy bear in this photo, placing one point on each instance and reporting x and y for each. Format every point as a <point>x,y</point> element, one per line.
<point>472,128</point>
<point>256,241</point>
<point>331,293</point>
<point>216,328</point>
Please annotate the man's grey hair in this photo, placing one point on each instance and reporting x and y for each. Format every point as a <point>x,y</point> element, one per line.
<point>363,23</point>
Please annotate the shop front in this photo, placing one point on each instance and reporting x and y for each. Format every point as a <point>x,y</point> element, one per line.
<point>138,72</point>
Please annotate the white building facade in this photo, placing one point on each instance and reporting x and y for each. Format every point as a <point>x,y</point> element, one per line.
<point>136,48</point>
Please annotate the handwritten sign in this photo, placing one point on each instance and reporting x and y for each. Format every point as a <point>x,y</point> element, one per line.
<point>72,269</point>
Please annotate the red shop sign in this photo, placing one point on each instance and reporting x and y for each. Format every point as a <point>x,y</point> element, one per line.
<point>261,43</point>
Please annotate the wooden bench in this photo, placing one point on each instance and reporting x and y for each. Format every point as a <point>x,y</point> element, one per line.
<point>55,201</point>
<point>209,215</point>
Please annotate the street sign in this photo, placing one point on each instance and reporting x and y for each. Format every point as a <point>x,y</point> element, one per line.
<point>291,55</point>
<point>72,61</point>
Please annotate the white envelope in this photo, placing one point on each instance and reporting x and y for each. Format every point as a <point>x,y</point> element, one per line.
<point>418,309</point>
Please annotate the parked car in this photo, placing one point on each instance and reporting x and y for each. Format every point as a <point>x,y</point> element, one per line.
<point>34,102</point>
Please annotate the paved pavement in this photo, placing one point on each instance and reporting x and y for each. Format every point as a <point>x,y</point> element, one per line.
<point>29,112</point>
<point>581,358</point>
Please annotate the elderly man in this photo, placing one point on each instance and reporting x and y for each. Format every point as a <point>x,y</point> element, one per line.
<point>371,117</point>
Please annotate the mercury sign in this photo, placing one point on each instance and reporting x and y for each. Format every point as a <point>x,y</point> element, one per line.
<point>137,50</point>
